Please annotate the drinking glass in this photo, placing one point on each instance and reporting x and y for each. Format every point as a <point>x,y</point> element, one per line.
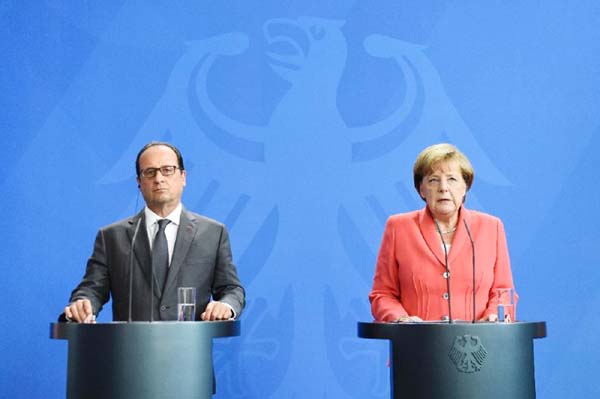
<point>186,303</point>
<point>506,305</point>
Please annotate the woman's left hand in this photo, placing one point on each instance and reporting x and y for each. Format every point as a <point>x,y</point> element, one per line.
<point>409,319</point>
<point>492,317</point>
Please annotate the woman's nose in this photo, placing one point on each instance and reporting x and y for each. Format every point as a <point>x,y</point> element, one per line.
<point>443,185</point>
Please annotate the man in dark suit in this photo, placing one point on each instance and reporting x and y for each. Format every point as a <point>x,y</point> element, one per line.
<point>184,249</point>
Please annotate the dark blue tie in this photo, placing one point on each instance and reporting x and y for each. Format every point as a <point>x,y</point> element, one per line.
<point>160,254</point>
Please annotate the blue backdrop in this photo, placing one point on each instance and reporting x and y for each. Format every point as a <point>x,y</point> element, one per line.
<point>299,122</point>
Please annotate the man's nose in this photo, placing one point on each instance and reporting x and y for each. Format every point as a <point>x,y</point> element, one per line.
<point>158,176</point>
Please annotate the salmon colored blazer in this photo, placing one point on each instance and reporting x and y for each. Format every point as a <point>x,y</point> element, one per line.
<point>409,277</point>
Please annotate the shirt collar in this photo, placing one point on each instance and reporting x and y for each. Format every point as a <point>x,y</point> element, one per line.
<point>152,218</point>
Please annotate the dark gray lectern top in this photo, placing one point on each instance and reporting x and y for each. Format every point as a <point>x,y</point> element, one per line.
<point>199,329</point>
<point>379,330</point>
<point>145,360</point>
<point>459,360</point>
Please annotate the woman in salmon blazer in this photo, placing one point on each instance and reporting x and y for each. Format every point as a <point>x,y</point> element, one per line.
<point>411,280</point>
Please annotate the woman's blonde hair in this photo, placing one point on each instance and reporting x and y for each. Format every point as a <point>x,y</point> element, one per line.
<point>431,155</point>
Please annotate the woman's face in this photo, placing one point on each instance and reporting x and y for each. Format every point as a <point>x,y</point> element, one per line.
<point>444,190</point>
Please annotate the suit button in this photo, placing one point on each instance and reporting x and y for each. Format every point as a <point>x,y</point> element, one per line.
<point>163,307</point>
<point>446,274</point>
<point>445,296</point>
<point>445,317</point>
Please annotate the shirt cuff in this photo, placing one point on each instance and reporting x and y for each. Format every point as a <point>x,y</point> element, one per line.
<point>230,307</point>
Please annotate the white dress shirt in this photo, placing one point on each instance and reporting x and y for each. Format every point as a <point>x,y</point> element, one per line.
<point>170,231</point>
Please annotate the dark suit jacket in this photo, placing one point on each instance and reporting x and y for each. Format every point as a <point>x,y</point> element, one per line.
<point>201,258</point>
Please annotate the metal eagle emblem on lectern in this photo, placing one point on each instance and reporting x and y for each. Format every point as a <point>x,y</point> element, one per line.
<point>467,353</point>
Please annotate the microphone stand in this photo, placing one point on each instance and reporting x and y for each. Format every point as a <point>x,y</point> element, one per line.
<point>135,233</point>
<point>151,291</point>
<point>473,266</point>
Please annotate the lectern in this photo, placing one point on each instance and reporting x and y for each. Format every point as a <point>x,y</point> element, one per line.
<point>141,359</point>
<point>459,360</point>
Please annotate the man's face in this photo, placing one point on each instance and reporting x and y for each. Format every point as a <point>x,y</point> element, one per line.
<point>161,193</point>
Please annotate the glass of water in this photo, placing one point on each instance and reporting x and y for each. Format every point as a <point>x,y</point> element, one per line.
<point>186,303</point>
<point>506,305</point>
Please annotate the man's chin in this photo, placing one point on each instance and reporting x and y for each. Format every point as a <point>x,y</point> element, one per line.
<point>160,202</point>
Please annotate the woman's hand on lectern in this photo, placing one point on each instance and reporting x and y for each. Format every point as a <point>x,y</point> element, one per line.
<point>409,319</point>
<point>493,317</point>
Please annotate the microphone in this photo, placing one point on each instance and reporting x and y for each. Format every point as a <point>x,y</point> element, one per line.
<point>151,291</point>
<point>135,233</point>
<point>437,226</point>
<point>473,265</point>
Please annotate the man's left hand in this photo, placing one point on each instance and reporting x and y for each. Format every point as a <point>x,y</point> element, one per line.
<point>216,310</point>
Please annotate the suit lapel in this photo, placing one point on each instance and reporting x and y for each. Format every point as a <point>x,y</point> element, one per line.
<point>141,247</point>
<point>185,236</point>
<point>431,235</point>
<point>460,236</point>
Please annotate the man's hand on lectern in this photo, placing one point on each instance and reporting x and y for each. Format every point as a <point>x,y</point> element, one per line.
<point>80,311</point>
<point>216,310</point>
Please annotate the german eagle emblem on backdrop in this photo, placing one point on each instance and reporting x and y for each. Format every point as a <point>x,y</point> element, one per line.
<point>467,353</point>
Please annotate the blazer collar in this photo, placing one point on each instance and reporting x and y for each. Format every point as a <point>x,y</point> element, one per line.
<point>185,235</point>
<point>141,247</point>
<point>188,225</point>
<point>432,236</point>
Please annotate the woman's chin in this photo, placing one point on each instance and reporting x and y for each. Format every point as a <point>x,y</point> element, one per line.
<point>444,211</point>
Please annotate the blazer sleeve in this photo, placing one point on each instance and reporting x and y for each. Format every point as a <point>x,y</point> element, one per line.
<point>226,285</point>
<point>385,295</point>
<point>502,271</point>
<point>95,284</point>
